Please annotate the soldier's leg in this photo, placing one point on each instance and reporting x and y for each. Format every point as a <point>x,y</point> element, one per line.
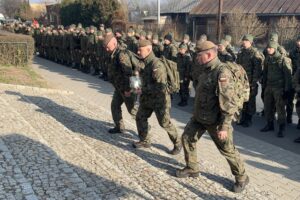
<point>269,104</point>
<point>280,109</point>
<point>130,105</point>
<point>192,133</point>
<point>290,106</point>
<point>116,110</point>
<point>144,112</point>
<point>250,109</point>
<point>298,110</point>
<point>163,117</point>
<point>228,150</point>
<point>186,91</point>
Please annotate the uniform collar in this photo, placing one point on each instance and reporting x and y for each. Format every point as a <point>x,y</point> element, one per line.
<point>149,58</point>
<point>212,64</point>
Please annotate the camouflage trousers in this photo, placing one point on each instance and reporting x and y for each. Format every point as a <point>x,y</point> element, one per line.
<point>116,111</point>
<point>249,108</point>
<point>184,90</point>
<point>162,112</point>
<point>193,132</point>
<point>273,101</point>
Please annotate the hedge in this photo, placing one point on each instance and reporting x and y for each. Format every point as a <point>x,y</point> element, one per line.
<point>16,49</point>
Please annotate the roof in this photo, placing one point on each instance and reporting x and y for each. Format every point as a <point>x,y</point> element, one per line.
<point>179,6</point>
<point>260,7</point>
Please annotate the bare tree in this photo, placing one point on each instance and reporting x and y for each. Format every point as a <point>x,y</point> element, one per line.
<point>238,24</point>
<point>11,7</point>
<point>287,28</point>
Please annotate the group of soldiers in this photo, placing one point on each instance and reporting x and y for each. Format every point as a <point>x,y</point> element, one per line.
<point>118,56</point>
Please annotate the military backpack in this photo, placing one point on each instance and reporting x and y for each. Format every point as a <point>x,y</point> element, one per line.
<point>173,80</point>
<point>241,86</point>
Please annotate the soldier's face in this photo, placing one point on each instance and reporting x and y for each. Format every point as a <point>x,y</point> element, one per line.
<point>154,41</point>
<point>246,44</point>
<point>112,45</point>
<point>205,56</point>
<point>144,51</point>
<point>185,41</point>
<point>270,51</point>
<point>167,42</point>
<point>182,51</point>
<point>221,47</point>
<point>298,43</point>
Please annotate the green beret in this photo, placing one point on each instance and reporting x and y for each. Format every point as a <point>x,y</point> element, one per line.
<point>203,46</point>
<point>183,46</point>
<point>107,39</point>
<point>272,44</point>
<point>248,37</point>
<point>143,43</point>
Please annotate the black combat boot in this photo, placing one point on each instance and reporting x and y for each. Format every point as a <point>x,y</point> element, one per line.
<point>281,130</point>
<point>116,130</point>
<point>187,172</point>
<point>248,121</point>
<point>239,186</point>
<point>268,127</point>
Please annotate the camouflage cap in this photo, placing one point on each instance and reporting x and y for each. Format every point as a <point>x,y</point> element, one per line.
<point>248,37</point>
<point>273,37</point>
<point>101,25</point>
<point>183,46</point>
<point>149,33</point>
<point>186,37</point>
<point>228,38</point>
<point>79,25</point>
<point>155,37</point>
<point>143,33</point>
<point>108,30</point>
<point>272,44</point>
<point>144,43</point>
<point>130,30</point>
<point>203,46</point>
<point>222,42</point>
<point>107,39</point>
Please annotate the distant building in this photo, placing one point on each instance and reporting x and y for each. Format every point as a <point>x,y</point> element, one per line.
<point>53,14</point>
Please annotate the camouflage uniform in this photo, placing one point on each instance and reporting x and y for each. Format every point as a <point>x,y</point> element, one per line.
<point>213,113</point>
<point>155,98</point>
<point>277,76</point>
<point>122,67</point>
<point>295,57</point>
<point>225,56</point>
<point>183,65</point>
<point>251,60</point>
<point>132,44</point>
<point>170,52</point>
<point>157,47</point>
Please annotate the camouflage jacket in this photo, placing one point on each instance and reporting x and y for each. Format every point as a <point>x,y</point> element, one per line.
<point>170,52</point>
<point>213,95</point>
<point>225,56</point>
<point>132,44</point>
<point>277,72</point>
<point>157,49</point>
<point>184,63</point>
<point>251,60</point>
<point>230,50</point>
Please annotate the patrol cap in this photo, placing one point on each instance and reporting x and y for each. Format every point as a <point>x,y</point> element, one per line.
<point>248,37</point>
<point>222,42</point>
<point>107,39</point>
<point>108,30</point>
<point>203,46</point>
<point>155,37</point>
<point>183,46</point>
<point>272,44</point>
<point>143,43</point>
<point>143,33</point>
<point>130,30</point>
<point>101,25</point>
<point>273,37</point>
<point>186,37</point>
<point>228,38</point>
<point>168,37</point>
<point>149,33</point>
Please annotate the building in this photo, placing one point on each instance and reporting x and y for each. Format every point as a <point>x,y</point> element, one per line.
<point>53,14</point>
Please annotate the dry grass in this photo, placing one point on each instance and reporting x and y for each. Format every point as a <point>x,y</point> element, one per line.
<point>21,76</point>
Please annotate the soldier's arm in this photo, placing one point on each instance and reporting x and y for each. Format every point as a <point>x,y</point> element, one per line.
<point>257,62</point>
<point>174,53</point>
<point>264,74</point>
<point>226,101</point>
<point>125,62</point>
<point>188,67</point>
<point>287,69</point>
<point>159,75</point>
